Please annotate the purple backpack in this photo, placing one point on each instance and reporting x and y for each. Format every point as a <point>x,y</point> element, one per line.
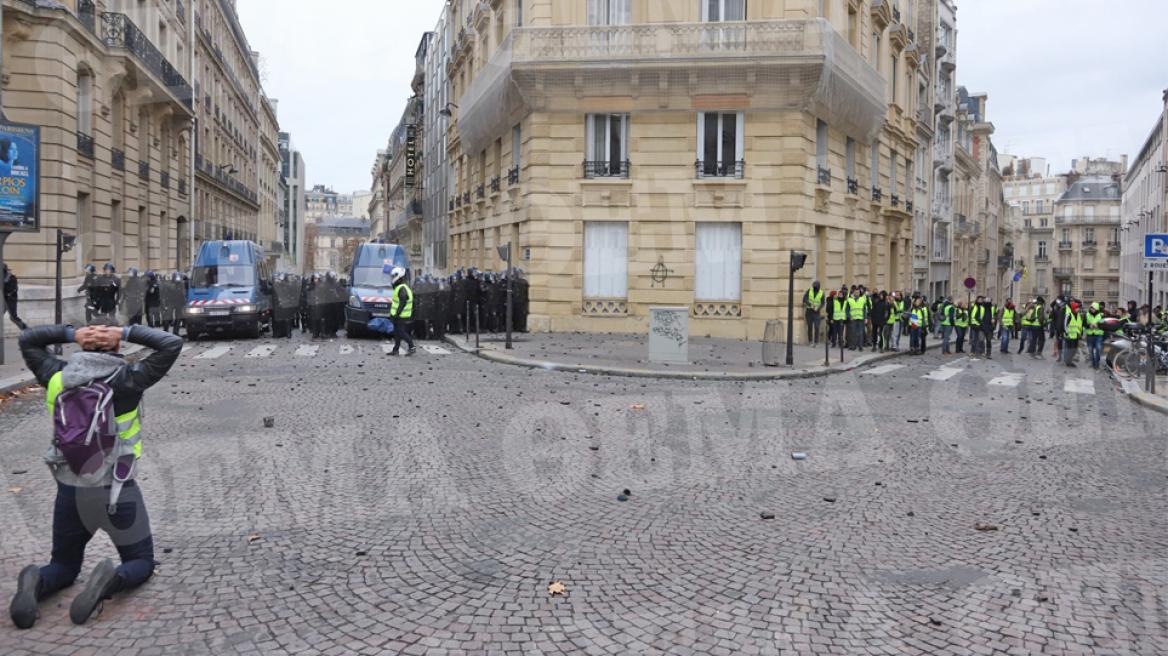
<point>85,428</point>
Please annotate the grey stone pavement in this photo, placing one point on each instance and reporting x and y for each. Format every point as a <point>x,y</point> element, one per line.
<point>424,505</point>
<point>631,351</point>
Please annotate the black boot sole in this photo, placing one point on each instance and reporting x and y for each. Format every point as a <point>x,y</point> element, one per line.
<point>95,592</point>
<point>24,611</point>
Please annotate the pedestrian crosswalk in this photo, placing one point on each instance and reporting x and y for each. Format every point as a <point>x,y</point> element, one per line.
<point>950,371</point>
<point>253,351</point>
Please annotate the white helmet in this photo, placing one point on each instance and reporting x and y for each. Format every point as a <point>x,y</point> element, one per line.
<point>397,275</point>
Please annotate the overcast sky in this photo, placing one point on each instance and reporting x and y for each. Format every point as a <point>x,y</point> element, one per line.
<point>1065,78</point>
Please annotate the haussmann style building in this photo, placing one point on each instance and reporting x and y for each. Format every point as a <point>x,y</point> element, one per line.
<point>673,153</point>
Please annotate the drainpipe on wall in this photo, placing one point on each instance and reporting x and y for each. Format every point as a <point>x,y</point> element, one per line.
<point>192,48</point>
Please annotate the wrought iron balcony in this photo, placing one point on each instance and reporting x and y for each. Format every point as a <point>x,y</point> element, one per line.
<point>87,14</point>
<point>466,197</point>
<point>1113,246</point>
<point>481,191</point>
<point>606,170</point>
<point>118,31</point>
<point>1064,272</point>
<point>118,159</point>
<point>877,194</point>
<point>823,176</point>
<point>496,185</point>
<point>853,186</point>
<point>908,206</point>
<point>458,201</point>
<point>1065,245</point>
<point>894,199</point>
<point>1042,259</point>
<point>513,176</point>
<point>164,178</point>
<point>85,145</point>
<point>144,170</point>
<point>712,169</point>
<point>1089,243</point>
<point>451,208</point>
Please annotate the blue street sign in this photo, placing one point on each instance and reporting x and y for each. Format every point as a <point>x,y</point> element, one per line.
<point>1156,246</point>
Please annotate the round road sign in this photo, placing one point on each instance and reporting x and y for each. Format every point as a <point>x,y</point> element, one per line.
<point>970,283</point>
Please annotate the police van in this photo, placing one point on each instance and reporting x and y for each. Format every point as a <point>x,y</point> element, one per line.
<point>370,290</point>
<point>230,290</point>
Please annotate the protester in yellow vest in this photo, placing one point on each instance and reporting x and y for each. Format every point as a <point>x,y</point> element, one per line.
<point>813,312</point>
<point>1006,326</point>
<point>93,458</point>
<point>402,311</point>
<point>1094,333</point>
<point>1072,331</point>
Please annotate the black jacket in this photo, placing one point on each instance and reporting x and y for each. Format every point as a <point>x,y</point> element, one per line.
<point>129,383</point>
<point>11,287</point>
<point>880,313</point>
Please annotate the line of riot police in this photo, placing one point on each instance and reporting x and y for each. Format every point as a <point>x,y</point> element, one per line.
<point>158,299</point>
<point>453,304</point>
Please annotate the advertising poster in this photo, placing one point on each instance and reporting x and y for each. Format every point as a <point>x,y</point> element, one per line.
<point>19,177</point>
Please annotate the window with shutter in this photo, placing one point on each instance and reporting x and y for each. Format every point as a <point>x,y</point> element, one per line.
<point>606,259</point>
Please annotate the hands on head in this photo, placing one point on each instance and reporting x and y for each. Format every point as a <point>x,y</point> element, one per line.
<point>98,338</point>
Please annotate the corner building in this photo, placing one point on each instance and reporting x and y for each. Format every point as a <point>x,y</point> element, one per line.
<point>675,152</point>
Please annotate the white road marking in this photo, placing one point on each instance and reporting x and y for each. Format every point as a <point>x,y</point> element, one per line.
<point>1008,380</point>
<point>263,351</point>
<point>886,369</point>
<point>1079,386</point>
<point>215,353</point>
<point>386,347</point>
<point>944,373</point>
<point>307,350</point>
<point>187,348</point>
<point>346,349</point>
<point>435,350</point>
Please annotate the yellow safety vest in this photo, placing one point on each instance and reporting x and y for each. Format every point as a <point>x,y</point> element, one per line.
<point>129,428</point>
<point>814,300</point>
<point>1094,324</point>
<point>408,311</point>
<point>897,309</point>
<point>1074,325</point>
<point>1008,318</point>
<point>840,311</point>
<point>855,308</point>
<point>977,315</point>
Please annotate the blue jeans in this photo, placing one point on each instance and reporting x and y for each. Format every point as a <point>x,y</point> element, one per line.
<point>946,334</point>
<point>1095,349</point>
<point>1005,340</point>
<point>917,338</point>
<point>78,513</point>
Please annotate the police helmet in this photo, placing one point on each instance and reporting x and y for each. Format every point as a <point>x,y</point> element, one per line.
<point>315,277</point>
<point>108,267</point>
<point>177,275</point>
<point>89,268</point>
<point>331,275</point>
<point>149,273</point>
<point>397,275</point>
<point>132,272</point>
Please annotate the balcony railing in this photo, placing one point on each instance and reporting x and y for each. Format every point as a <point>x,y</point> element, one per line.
<point>823,176</point>
<point>144,170</point>
<point>1082,218</point>
<point>466,197</point>
<point>1089,243</point>
<point>85,145</point>
<point>1065,245</point>
<point>513,176</point>
<point>1005,262</point>
<point>710,169</point>
<point>894,200</point>
<point>1112,294</point>
<point>853,186</point>
<point>118,159</point>
<point>1113,245</point>
<point>877,194</point>
<point>164,178</point>
<point>118,31</point>
<point>606,170</point>
<point>87,14</point>
<point>481,191</point>
<point>496,185</point>
<point>1042,259</point>
<point>908,206</point>
<point>1064,272</point>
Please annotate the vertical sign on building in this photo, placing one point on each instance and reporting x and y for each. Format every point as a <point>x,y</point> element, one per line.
<point>20,151</point>
<point>411,154</point>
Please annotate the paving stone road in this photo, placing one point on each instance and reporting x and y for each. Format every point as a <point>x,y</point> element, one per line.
<point>424,505</point>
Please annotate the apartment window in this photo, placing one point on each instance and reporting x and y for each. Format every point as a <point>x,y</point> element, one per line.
<point>717,11</point>
<point>1066,236</point>
<point>1113,262</point>
<point>853,28</point>
<point>895,65</point>
<point>1038,206</point>
<point>1088,262</point>
<point>1089,234</point>
<point>850,151</point>
<point>908,168</point>
<point>606,259</point>
<point>516,144</point>
<point>1088,289</point>
<point>731,37</point>
<point>718,254</point>
<point>892,173</point>
<point>518,13</point>
<point>610,12</point>
<point>875,167</point>
<point>720,145</point>
<point>1114,212</point>
<point>876,52</point>
<point>1025,207</point>
<point>1051,189</point>
<point>1089,212</point>
<point>1042,254</point>
<point>1027,223</point>
<point>1042,223</point>
<point>606,146</point>
<point>85,103</point>
<point>1068,212</point>
<point>1115,235</point>
<point>821,144</point>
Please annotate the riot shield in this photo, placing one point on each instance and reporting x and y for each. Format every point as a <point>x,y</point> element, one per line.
<point>319,298</point>
<point>133,299</point>
<point>423,309</point>
<point>286,299</point>
<point>520,302</point>
<point>105,296</point>
<point>174,299</point>
<point>153,303</point>
<point>495,306</point>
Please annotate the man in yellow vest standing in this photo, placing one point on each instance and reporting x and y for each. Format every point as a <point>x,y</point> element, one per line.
<point>1095,335</point>
<point>401,310</point>
<point>1072,331</point>
<point>813,312</point>
<point>857,314</point>
<point>1006,326</point>
<point>93,461</point>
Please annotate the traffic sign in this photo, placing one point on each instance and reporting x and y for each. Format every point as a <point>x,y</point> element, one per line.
<point>1155,252</point>
<point>970,282</point>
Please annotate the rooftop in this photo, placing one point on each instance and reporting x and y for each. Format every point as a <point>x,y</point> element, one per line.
<point>1092,189</point>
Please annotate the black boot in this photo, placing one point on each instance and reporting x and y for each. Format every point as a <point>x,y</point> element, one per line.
<point>99,588</point>
<point>23,610</point>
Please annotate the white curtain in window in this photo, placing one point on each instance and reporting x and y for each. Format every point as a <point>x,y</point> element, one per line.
<point>606,259</point>
<point>718,254</point>
<point>610,12</point>
<point>714,11</point>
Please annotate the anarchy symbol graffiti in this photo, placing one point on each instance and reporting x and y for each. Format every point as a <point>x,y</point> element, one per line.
<point>660,272</point>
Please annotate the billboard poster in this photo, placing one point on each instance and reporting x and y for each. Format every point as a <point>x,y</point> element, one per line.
<point>20,154</point>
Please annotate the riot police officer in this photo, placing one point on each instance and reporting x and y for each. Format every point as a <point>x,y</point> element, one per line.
<point>153,300</point>
<point>133,298</point>
<point>89,287</point>
<point>109,293</point>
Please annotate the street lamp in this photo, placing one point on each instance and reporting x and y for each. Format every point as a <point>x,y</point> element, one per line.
<point>445,111</point>
<point>232,168</point>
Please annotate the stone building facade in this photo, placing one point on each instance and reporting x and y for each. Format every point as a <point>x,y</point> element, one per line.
<point>1145,200</point>
<point>641,154</point>
<point>115,113</point>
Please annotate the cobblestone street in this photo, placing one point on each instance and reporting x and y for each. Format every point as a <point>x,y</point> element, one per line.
<point>424,505</point>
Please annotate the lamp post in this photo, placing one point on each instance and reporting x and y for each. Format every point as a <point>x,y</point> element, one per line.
<point>797,261</point>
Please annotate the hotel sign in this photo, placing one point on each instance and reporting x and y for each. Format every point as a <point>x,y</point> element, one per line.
<point>411,155</point>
